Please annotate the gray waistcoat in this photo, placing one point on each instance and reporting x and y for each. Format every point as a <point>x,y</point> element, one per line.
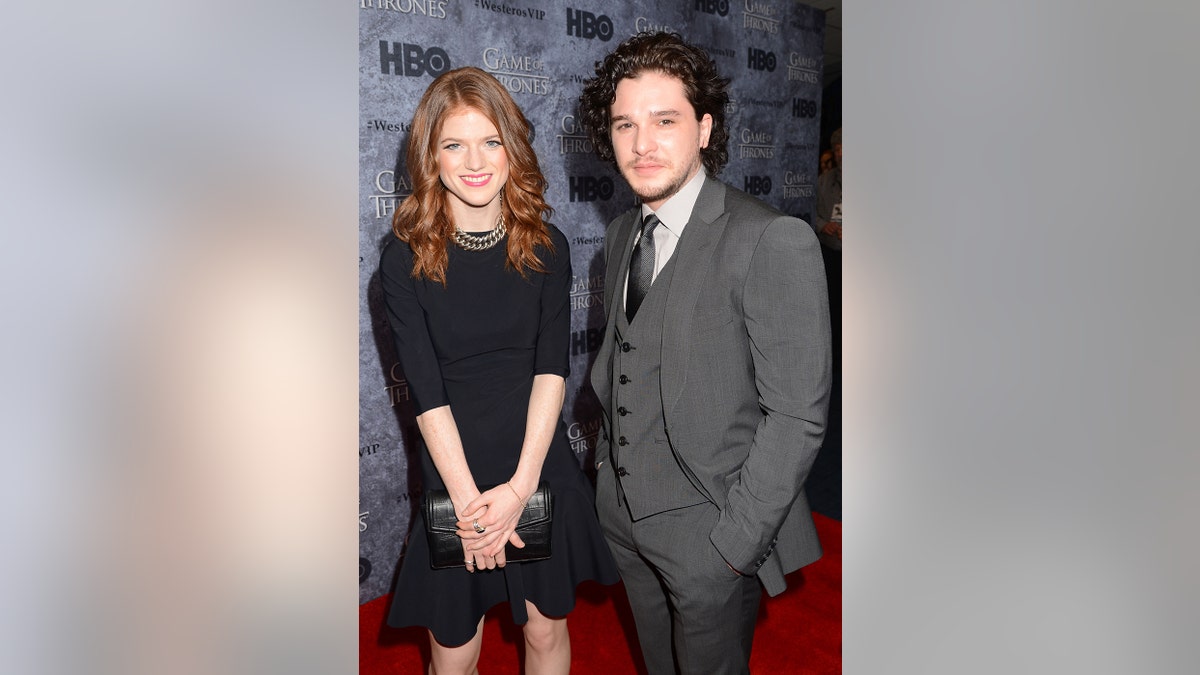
<point>647,471</point>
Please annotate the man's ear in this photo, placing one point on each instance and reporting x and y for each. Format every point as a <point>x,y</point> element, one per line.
<point>705,129</point>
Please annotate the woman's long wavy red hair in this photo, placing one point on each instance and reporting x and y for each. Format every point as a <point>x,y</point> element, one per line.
<point>423,219</point>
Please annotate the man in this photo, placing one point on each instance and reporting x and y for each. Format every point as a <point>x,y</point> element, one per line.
<point>714,371</point>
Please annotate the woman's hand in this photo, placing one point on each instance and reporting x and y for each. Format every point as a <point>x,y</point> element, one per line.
<point>476,560</point>
<point>496,513</point>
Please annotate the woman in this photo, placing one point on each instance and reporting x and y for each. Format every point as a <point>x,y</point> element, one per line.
<point>477,292</point>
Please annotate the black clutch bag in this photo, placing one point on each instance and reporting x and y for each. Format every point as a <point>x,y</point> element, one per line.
<point>445,548</point>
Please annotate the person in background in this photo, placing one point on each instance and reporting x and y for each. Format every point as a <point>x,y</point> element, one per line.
<point>826,162</point>
<point>476,285</point>
<point>714,370</point>
<point>827,222</point>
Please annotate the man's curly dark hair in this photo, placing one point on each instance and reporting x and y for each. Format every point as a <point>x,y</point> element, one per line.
<point>669,54</point>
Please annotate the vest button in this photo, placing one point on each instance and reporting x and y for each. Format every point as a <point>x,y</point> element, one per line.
<point>625,347</point>
<point>622,472</point>
<point>622,441</point>
<point>624,380</point>
<point>623,411</point>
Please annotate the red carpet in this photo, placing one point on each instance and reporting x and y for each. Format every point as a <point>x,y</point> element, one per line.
<point>798,632</point>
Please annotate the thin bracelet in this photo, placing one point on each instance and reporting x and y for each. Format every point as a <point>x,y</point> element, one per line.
<point>514,491</point>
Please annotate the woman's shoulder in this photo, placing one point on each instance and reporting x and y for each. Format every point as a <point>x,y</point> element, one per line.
<point>559,255</point>
<point>396,255</point>
<point>558,239</point>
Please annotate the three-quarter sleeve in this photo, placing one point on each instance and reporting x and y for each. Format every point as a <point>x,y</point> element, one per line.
<point>410,329</point>
<point>554,331</point>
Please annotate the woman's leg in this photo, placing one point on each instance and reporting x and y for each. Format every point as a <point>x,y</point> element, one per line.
<point>547,644</point>
<point>461,660</point>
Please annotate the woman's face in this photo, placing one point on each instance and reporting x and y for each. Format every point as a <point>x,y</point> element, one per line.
<point>471,159</point>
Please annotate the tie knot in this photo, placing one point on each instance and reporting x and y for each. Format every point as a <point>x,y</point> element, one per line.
<point>650,222</point>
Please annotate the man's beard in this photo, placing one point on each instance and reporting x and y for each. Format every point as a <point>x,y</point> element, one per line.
<point>654,194</point>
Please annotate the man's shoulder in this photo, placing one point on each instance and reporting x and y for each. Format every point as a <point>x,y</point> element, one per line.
<point>742,206</point>
<point>754,219</point>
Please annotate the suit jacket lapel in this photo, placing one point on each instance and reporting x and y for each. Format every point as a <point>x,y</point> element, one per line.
<point>622,249</point>
<point>692,256</point>
<point>616,266</point>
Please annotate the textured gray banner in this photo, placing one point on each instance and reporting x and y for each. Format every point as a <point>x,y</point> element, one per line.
<point>542,51</point>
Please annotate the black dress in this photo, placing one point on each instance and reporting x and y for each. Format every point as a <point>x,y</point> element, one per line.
<point>476,345</point>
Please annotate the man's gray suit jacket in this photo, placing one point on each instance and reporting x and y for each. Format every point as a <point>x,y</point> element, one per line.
<point>746,371</point>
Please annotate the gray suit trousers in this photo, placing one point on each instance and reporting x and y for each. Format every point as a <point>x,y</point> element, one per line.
<point>690,608</point>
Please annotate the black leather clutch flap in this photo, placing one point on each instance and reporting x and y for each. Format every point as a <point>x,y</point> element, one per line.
<point>445,548</point>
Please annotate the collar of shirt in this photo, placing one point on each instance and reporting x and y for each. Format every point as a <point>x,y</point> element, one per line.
<point>677,211</point>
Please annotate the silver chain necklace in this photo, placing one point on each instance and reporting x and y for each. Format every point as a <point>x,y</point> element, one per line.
<point>472,243</point>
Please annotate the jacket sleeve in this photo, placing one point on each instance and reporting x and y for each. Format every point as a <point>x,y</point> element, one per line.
<point>786,310</point>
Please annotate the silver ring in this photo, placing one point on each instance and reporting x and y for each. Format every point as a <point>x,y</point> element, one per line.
<point>478,529</point>
<point>469,562</point>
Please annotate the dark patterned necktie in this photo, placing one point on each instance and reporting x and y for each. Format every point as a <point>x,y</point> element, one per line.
<point>641,267</point>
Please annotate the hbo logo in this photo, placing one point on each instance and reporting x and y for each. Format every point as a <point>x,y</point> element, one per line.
<point>720,7</point>
<point>584,24</point>
<point>412,60</point>
<point>761,60</point>
<point>757,185</point>
<point>804,107</point>
<point>590,188</point>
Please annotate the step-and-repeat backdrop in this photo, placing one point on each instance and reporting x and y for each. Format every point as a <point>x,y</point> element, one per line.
<point>542,50</point>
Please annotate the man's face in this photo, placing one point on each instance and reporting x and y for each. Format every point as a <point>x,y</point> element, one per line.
<point>656,137</point>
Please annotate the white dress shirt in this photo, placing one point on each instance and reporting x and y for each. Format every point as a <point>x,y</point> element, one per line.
<point>674,215</point>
